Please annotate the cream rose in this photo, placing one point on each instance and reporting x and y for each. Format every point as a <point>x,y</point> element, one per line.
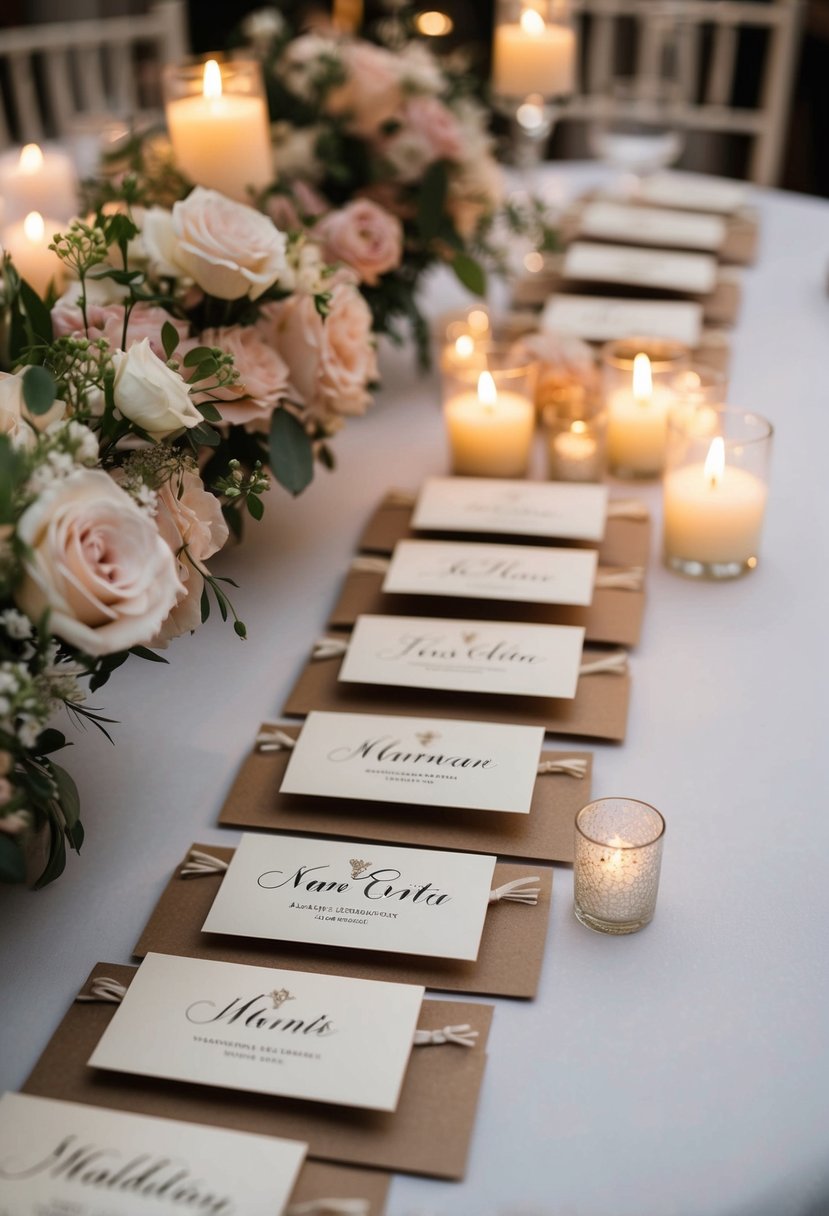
<point>15,419</point>
<point>263,376</point>
<point>371,94</point>
<point>151,394</point>
<point>364,236</point>
<point>190,520</point>
<point>98,565</point>
<point>228,249</point>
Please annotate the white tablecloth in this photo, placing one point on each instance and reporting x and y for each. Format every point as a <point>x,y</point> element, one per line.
<point>683,1071</point>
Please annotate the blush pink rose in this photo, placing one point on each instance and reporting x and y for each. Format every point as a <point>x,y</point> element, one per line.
<point>332,361</point>
<point>263,377</point>
<point>107,321</point>
<point>436,124</point>
<point>364,236</point>
<point>371,94</point>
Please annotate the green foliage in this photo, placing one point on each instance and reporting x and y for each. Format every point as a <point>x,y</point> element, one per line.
<point>291,454</point>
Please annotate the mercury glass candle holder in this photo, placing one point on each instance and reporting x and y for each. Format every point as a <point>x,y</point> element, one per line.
<point>715,490</point>
<point>617,862</point>
<point>489,410</point>
<point>637,376</point>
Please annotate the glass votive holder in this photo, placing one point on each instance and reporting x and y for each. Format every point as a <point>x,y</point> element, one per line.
<point>533,51</point>
<point>217,117</point>
<point>575,436</point>
<point>714,491</point>
<point>636,379</point>
<point>617,862</point>
<point>489,411</point>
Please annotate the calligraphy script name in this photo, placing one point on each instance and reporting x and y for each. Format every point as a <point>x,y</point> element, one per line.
<point>255,1014</point>
<point>378,884</point>
<point>386,749</point>
<point>424,646</point>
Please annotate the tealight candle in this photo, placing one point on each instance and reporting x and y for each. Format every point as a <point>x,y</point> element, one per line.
<point>713,509</point>
<point>637,375</point>
<point>575,452</point>
<point>532,55</point>
<point>490,427</point>
<point>617,861</point>
<point>218,124</point>
<point>27,243</point>
<point>37,179</point>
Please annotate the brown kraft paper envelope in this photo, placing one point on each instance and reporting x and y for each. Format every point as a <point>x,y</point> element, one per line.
<point>429,1133</point>
<point>720,306</point>
<point>615,616</point>
<point>545,834</point>
<point>626,542</point>
<point>318,1181</point>
<point>508,963</point>
<point>599,708</point>
<point>742,231</point>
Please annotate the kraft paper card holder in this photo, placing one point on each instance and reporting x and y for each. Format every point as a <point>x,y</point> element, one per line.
<point>429,1133</point>
<point>508,964</point>
<point>323,1189</point>
<point>626,540</point>
<point>547,833</point>
<point>599,709</point>
<point>740,229</point>
<point>615,615</point>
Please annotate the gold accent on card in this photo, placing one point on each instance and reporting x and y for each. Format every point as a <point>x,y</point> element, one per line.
<point>358,866</point>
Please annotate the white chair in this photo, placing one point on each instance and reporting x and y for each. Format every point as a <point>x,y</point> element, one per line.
<point>51,74</point>
<point>710,34</point>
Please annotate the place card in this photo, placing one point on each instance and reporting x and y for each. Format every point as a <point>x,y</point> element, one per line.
<point>600,318</point>
<point>429,1133</point>
<point>515,573</point>
<point>318,1037</point>
<point>657,270</point>
<point>692,192</point>
<point>492,657</point>
<point>61,1158</point>
<point>553,510</point>
<point>610,221</point>
<point>417,762</point>
<point>344,894</point>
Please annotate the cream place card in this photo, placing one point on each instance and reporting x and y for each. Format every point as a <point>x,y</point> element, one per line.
<point>693,192</point>
<point>464,656</point>
<point>324,1038</point>
<point>609,221</point>
<point>657,269</point>
<point>516,573</point>
<point>64,1159</point>
<point>419,762</point>
<point>555,510</point>
<point>600,319</point>
<point>353,895</point>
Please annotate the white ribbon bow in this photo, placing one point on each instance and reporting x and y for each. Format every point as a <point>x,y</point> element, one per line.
<point>272,739</point>
<point>459,1036</point>
<point>104,988</point>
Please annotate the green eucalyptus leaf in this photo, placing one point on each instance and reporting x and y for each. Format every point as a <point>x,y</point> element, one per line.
<point>255,506</point>
<point>39,390</point>
<point>40,319</point>
<point>470,273</point>
<point>12,861</point>
<point>57,858</point>
<point>197,355</point>
<point>291,455</point>
<point>49,740</point>
<point>169,338</point>
<point>431,200</point>
<point>143,652</point>
<point>68,796</point>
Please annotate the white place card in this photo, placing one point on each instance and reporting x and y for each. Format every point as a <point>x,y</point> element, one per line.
<point>602,318</point>
<point>465,656</point>
<point>553,510</point>
<point>609,221</point>
<point>436,762</point>
<point>514,573</point>
<point>659,269</point>
<point>65,1159</point>
<point>326,1038</point>
<point>353,894</point>
<point>693,192</point>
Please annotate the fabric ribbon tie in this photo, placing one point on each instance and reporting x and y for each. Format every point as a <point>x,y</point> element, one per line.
<point>611,664</point>
<point>365,563</point>
<point>627,508</point>
<point>630,579</point>
<point>518,891</point>
<point>570,766</point>
<point>272,739</point>
<point>459,1036</point>
<point>329,648</point>
<point>103,989</point>
<point>399,498</point>
<point>198,864</point>
<point>330,1207</point>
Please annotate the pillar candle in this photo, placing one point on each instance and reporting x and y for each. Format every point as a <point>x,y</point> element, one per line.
<point>490,432</point>
<point>530,56</point>
<point>27,242</point>
<point>637,423</point>
<point>713,511</point>
<point>35,179</point>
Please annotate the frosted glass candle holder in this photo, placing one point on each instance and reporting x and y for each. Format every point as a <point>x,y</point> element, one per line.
<point>489,410</point>
<point>637,375</point>
<point>575,436</point>
<point>618,857</point>
<point>714,491</point>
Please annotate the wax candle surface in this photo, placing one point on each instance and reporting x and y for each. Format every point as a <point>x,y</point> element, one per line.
<point>490,432</point>
<point>221,140</point>
<point>37,179</point>
<point>531,56</point>
<point>574,455</point>
<point>713,518</point>
<point>27,242</point>
<point>637,423</point>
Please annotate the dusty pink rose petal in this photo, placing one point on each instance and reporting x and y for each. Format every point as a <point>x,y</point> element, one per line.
<point>436,123</point>
<point>372,94</point>
<point>364,236</point>
<point>263,376</point>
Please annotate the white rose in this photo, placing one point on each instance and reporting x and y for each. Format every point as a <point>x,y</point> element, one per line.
<point>97,563</point>
<point>228,249</point>
<point>151,394</point>
<point>15,419</point>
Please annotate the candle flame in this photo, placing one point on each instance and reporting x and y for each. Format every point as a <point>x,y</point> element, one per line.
<point>33,227</point>
<point>578,427</point>
<point>642,379</point>
<point>31,158</point>
<point>532,23</point>
<point>487,392</point>
<point>212,80</point>
<point>715,461</point>
<point>464,346</point>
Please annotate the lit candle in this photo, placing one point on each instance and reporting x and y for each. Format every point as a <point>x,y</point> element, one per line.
<point>617,863</point>
<point>27,243</point>
<point>530,56</point>
<point>713,511</point>
<point>221,139</point>
<point>32,179</point>
<point>490,432</point>
<point>575,454</point>
<point>637,423</point>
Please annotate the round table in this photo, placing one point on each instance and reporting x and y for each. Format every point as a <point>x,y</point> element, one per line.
<point>683,1070</point>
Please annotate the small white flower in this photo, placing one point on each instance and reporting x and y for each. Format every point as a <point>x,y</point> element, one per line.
<point>41,479</point>
<point>62,463</point>
<point>28,732</point>
<point>8,682</point>
<point>17,625</point>
<point>262,25</point>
